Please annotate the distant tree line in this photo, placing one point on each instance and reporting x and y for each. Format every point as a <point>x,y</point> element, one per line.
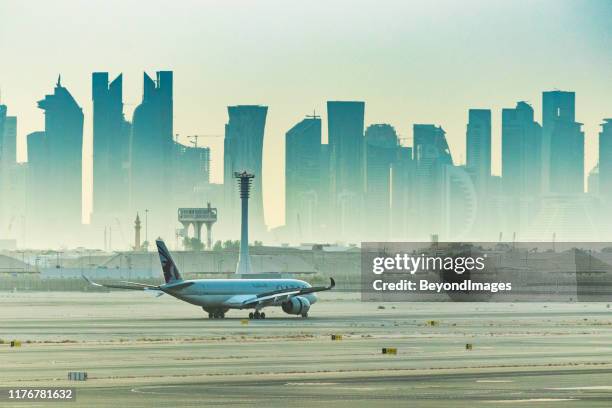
<point>194,244</point>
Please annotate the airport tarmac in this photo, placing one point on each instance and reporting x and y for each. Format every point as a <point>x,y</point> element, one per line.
<point>139,350</point>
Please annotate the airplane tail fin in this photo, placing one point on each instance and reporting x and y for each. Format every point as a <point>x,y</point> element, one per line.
<point>171,272</point>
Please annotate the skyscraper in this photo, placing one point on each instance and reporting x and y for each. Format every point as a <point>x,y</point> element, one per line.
<point>403,194</point>
<point>191,175</point>
<point>55,167</point>
<point>9,145</point>
<point>8,130</point>
<point>345,122</point>
<point>3,165</point>
<point>8,160</point>
<point>152,153</point>
<point>324,199</point>
<point>605,161</point>
<point>243,149</point>
<point>37,185</point>
<point>522,168</point>
<point>303,178</point>
<point>478,148</point>
<point>459,204</point>
<point>3,121</point>
<point>381,145</point>
<point>431,155</point>
<point>563,146</point>
<point>111,139</point>
<point>521,152</point>
<point>3,110</point>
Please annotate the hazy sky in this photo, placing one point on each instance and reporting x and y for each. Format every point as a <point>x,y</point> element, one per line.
<point>411,61</point>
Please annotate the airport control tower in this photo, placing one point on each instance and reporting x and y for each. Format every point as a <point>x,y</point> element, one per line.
<point>244,185</point>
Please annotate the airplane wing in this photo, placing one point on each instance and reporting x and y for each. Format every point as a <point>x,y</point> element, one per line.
<point>123,285</point>
<point>275,296</point>
<point>239,300</point>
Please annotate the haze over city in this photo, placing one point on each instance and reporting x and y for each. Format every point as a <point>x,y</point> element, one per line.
<point>411,62</point>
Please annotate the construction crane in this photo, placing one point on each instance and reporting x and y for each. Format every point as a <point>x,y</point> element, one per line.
<point>193,139</point>
<point>314,115</point>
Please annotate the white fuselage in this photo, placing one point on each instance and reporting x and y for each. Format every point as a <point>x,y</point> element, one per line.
<point>213,294</point>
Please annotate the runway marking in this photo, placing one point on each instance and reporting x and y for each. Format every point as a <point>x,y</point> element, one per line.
<point>494,381</point>
<point>332,384</point>
<point>139,391</point>
<point>311,383</point>
<point>357,388</point>
<point>592,387</point>
<point>514,401</point>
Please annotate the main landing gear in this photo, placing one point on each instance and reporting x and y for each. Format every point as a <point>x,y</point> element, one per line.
<point>216,315</point>
<point>257,315</point>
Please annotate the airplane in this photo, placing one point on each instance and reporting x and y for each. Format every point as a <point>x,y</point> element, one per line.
<point>217,296</point>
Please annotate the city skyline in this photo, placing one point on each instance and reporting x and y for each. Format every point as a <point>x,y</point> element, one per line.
<point>362,184</point>
<point>407,82</point>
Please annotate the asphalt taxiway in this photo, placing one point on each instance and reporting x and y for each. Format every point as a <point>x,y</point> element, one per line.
<point>140,350</point>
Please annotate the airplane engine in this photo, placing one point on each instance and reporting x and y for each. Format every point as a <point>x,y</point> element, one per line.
<point>297,306</point>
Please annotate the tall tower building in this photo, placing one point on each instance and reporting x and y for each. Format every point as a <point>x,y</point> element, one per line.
<point>243,149</point>
<point>459,204</point>
<point>563,145</point>
<point>478,148</point>
<point>303,187</point>
<point>12,183</point>
<point>111,139</point>
<point>403,194</point>
<point>191,175</point>
<point>521,152</point>
<point>605,161</point>
<point>3,166</point>
<point>3,110</point>
<point>522,168</point>
<point>8,137</point>
<point>3,141</point>
<point>326,217</point>
<point>431,155</point>
<point>152,153</point>
<point>381,145</point>
<point>37,187</point>
<point>55,168</point>
<point>345,122</point>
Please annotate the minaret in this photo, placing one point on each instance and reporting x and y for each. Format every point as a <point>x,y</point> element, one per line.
<point>137,233</point>
<point>209,223</point>
<point>244,185</point>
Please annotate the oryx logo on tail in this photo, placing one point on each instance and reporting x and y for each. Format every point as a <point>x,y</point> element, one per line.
<point>171,272</point>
